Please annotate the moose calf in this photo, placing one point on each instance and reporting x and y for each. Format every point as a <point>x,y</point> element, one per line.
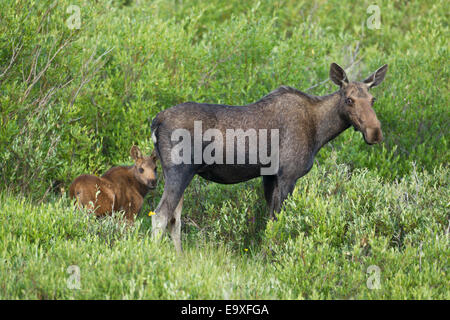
<point>120,188</point>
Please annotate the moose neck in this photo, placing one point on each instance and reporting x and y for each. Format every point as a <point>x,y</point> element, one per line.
<point>330,122</point>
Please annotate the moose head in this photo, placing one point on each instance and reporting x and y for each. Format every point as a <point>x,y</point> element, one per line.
<point>357,102</point>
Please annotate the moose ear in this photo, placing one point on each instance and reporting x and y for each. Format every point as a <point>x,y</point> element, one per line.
<point>338,75</point>
<point>135,153</point>
<point>377,77</point>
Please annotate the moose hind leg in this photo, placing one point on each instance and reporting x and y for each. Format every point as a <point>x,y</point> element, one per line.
<point>175,226</point>
<point>176,181</point>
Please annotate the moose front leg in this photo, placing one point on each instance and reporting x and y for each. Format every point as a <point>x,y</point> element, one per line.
<point>270,189</point>
<point>282,189</point>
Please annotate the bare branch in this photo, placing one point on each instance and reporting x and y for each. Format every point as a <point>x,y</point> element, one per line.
<point>352,63</point>
<point>87,74</point>
<point>16,51</point>
<point>37,77</point>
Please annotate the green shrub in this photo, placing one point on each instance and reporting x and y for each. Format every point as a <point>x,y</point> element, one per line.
<point>129,60</point>
<point>335,226</point>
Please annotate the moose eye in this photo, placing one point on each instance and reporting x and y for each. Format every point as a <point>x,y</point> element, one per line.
<point>349,101</point>
<point>141,170</point>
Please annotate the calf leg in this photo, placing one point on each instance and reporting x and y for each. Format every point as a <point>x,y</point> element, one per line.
<point>133,208</point>
<point>175,226</point>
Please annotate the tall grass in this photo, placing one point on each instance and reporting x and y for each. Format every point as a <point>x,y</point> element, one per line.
<point>335,226</point>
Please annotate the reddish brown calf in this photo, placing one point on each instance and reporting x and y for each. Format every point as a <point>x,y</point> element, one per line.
<point>120,188</point>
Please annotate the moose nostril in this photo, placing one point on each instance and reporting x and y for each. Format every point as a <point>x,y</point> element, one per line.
<point>374,135</point>
<point>380,136</point>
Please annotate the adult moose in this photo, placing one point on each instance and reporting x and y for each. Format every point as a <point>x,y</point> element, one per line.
<point>304,122</point>
<point>120,188</point>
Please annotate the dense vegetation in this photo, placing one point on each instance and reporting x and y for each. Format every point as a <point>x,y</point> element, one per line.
<point>74,100</point>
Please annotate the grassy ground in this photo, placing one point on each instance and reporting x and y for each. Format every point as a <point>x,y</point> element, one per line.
<point>343,235</point>
<point>366,222</point>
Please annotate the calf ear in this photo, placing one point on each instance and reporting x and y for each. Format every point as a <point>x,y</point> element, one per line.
<point>338,75</point>
<point>377,77</point>
<point>135,153</point>
<point>153,156</point>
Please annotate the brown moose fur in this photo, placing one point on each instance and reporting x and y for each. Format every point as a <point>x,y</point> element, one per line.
<point>120,188</point>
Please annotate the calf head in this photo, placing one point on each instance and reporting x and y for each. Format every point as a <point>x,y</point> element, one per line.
<point>358,103</point>
<point>144,168</point>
